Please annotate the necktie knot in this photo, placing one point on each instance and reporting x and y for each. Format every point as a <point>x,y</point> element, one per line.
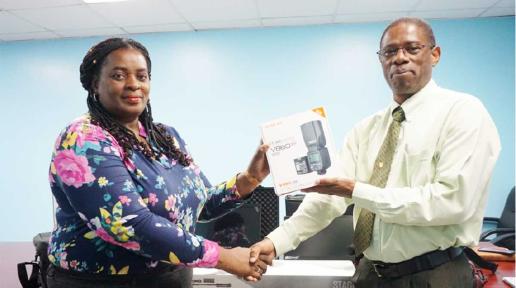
<point>398,115</point>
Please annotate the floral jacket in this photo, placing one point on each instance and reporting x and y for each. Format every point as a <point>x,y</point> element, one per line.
<point>133,216</point>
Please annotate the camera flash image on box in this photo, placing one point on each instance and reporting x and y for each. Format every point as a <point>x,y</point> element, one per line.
<point>301,150</point>
<point>318,157</point>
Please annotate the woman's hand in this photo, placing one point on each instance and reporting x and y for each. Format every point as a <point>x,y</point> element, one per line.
<point>236,261</point>
<point>257,170</point>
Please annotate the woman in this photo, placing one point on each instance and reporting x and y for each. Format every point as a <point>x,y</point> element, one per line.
<point>128,191</point>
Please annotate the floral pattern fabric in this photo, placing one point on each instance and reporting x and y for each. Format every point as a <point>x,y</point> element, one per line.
<point>132,216</point>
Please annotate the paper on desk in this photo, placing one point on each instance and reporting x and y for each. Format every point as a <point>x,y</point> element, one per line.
<point>311,268</point>
<point>209,271</point>
<point>510,280</point>
<point>297,268</point>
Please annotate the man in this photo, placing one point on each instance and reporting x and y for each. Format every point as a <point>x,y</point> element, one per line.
<point>417,173</point>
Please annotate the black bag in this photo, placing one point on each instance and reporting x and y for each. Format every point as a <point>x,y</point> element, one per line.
<point>38,275</point>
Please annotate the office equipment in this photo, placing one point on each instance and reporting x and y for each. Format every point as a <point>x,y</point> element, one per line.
<point>268,201</point>
<point>284,274</point>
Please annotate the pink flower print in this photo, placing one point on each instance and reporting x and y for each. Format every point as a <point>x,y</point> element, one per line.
<point>170,203</point>
<point>58,142</point>
<point>129,164</point>
<point>91,134</point>
<point>77,124</point>
<point>62,260</point>
<point>210,257</point>
<point>73,169</point>
<point>124,199</point>
<point>195,168</point>
<point>141,130</point>
<point>73,264</point>
<point>173,215</point>
<point>153,199</point>
<point>131,245</point>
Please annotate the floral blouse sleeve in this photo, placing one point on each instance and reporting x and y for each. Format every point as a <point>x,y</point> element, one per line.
<point>87,166</point>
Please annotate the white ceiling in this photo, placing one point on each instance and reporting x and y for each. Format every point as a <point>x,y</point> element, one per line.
<point>48,19</point>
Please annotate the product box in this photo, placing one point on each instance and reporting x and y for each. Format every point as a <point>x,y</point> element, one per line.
<point>301,150</point>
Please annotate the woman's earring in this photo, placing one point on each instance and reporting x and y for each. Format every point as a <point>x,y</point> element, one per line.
<point>95,97</point>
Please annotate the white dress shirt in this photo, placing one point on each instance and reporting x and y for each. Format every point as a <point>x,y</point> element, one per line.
<point>438,184</point>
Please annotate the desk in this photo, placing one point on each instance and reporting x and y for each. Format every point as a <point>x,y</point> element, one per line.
<point>505,269</point>
<point>505,265</point>
<point>284,274</point>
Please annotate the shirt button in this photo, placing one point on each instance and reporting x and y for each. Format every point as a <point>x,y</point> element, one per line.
<point>380,164</point>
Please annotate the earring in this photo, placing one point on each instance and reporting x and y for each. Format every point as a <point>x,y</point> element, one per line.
<point>95,97</point>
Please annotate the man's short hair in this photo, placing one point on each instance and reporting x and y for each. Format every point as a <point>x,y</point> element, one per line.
<point>412,20</point>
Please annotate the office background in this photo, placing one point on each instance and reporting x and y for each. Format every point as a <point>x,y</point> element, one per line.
<point>217,86</point>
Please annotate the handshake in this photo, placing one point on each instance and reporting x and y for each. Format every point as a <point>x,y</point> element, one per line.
<point>248,263</point>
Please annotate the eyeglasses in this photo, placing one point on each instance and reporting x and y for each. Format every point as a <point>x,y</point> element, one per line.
<point>409,49</point>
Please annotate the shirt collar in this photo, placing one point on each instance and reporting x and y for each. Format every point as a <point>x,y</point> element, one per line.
<point>412,103</point>
<point>142,131</point>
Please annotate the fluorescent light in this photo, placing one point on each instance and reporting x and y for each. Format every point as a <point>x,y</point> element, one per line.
<point>102,1</point>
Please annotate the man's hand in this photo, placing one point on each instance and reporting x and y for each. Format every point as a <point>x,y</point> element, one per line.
<point>236,261</point>
<point>333,186</point>
<point>262,251</point>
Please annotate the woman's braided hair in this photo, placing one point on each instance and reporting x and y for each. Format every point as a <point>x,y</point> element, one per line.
<point>157,135</point>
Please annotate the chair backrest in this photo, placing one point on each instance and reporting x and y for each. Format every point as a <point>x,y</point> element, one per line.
<point>507,218</point>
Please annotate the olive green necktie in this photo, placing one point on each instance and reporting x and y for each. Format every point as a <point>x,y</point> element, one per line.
<point>382,167</point>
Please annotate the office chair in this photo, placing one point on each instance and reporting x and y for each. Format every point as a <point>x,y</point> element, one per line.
<point>504,231</point>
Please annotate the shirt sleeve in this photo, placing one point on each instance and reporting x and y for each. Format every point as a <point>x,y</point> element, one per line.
<point>465,161</point>
<point>222,199</point>
<point>315,213</point>
<point>87,165</point>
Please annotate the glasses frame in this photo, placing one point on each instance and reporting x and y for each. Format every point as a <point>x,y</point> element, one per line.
<point>381,52</point>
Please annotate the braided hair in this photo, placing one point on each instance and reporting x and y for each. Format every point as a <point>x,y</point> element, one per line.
<point>159,139</point>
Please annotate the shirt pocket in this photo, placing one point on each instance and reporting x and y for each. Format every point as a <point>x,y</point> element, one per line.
<point>419,165</point>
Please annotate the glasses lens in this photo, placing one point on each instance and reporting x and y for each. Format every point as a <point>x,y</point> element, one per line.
<point>410,49</point>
